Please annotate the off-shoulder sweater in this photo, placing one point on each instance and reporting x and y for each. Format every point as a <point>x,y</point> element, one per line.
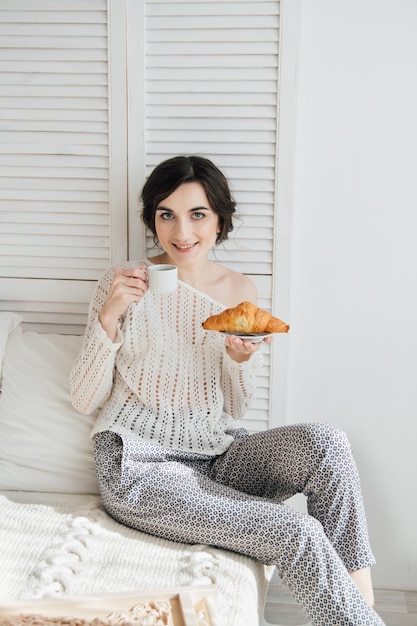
<point>164,379</point>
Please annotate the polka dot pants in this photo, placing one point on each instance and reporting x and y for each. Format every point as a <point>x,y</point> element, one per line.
<point>236,501</point>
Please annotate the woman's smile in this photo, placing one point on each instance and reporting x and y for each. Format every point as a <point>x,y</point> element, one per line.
<point>184,247</point>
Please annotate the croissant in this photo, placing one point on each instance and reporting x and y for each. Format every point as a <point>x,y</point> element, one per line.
<point>245,318</point>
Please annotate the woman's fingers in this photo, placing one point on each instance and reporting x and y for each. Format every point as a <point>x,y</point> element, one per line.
<point>128,285</point>
<point>240,350</point>
<point>131,281</point>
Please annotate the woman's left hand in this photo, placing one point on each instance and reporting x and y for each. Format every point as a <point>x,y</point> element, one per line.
<point>240,350</point>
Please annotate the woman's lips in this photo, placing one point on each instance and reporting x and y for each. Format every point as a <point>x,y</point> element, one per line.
<point>184,247</point>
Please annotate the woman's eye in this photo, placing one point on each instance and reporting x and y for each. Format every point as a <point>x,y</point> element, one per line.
<point>166,216</point>
<point>197,215</point>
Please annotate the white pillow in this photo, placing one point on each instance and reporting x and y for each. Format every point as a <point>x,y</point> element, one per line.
<point>44,442</point>
<point>8,322</point>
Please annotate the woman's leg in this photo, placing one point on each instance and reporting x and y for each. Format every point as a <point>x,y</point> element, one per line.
<point>363,580</point>
<point>148,488</point>
<point>313,459</point>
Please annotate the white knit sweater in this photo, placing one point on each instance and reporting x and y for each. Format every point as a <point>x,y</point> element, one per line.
<point>165,378</point>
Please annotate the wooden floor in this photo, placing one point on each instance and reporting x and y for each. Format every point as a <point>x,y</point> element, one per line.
<point>396,608</point>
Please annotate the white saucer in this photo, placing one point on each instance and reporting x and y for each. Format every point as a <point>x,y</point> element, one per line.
<point>252,337</point>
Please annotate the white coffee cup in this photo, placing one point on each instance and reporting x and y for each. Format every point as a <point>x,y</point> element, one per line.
<point>162,278</point>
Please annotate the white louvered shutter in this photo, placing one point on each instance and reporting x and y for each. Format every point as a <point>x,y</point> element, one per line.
<point>58,229</point>
<point>211,88</point>
<point>204,79</point>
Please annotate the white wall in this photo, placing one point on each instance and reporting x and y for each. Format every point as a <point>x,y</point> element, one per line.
<point>353,284</point>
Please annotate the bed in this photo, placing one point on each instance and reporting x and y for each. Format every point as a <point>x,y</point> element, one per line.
<point>57,542</point>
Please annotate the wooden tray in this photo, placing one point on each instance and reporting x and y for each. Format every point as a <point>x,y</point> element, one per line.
<point>190,606</point>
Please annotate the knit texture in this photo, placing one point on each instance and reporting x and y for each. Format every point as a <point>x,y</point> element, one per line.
<point>55,545</point>
<point>165,378</point>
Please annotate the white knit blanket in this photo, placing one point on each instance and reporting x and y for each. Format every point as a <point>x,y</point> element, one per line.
<point>66,545</point>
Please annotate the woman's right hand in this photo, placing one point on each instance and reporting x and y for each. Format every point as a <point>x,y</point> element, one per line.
<point>128,285</point>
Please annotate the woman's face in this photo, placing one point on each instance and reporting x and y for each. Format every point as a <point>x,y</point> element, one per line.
<point>186,225</point>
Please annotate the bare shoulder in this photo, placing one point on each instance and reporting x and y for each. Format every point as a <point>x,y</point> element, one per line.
<point>233,288</point>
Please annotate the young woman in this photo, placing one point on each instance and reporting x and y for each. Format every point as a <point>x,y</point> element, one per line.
<point>169,460</point>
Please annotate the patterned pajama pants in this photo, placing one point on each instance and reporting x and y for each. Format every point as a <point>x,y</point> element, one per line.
<point>235,501</point>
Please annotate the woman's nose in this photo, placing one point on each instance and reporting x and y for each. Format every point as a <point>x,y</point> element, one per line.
<point>182,229</point>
